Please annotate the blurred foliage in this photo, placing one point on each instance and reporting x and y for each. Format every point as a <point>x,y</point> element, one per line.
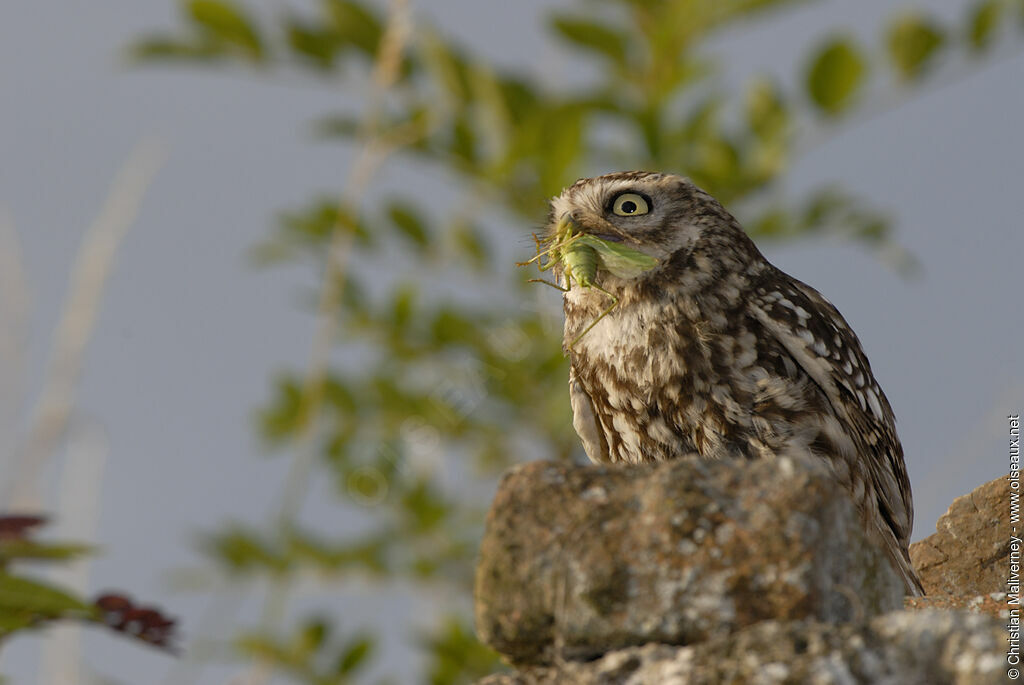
<point>27,603</point>
<point>913,42</point>
<point>432,395</point>
<point>310,654</point>
<point>836,75</point>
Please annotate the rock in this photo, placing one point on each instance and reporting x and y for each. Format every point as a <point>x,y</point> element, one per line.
<point>994,604</point>
<point>965,563</point>
<point>968,554</point>
<point>908,648</point>
<point>577,561</point>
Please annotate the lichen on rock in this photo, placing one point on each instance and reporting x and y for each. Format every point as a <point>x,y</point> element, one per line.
<point>705,572</point>
<point>580,560</point>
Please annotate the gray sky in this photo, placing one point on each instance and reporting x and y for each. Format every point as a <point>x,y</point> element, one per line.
<point>189,333</point>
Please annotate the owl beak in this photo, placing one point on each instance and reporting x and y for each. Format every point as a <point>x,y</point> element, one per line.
<point>573,220</point>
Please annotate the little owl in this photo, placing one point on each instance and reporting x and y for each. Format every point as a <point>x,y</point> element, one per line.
<point>717,352</point>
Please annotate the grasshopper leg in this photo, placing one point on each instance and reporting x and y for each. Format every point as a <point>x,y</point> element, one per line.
<point>553,285</point>
<point>606,312</point>
<point>539,244</point>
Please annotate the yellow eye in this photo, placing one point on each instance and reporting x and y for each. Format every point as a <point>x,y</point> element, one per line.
<point>630,204</point>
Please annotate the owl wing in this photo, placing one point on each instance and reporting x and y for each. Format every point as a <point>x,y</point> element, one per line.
<point>823,345</point>
<point>585,421</point>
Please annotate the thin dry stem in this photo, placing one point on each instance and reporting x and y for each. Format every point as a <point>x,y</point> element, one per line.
<point>373,152</point>
<point>376,146</point>
<point>78,512</point>
<point>92,267</point>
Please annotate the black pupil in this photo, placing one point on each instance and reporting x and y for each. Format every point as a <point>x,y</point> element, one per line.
<point>628,207</point>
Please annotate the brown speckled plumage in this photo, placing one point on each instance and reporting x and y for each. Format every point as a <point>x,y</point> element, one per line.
<point>716,351</point>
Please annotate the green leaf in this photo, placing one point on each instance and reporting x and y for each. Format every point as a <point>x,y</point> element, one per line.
<point>227,23</point>
<point>404,300</point>
<point>12,623</point>
<point>912,41</point>
<point>366,484</point>
<point>165,48</point>
<point>599,39</point>
<point>280,419</point>
<point>984,19</point>
<point>766,110</point>
<point>337,126</point>
<point>265,649</point>
<point>470,241</point>
<point>456,655</point>
<point>310,637</point>
<point>409,224</point>
<point>369,556</point>
<point>309,230</point>
<point>716,161</point>
<point>340,394</point>
<point>24,597</point>
<point>464,144</point>
<point>425,507</point>
<point>242,551</point>
<point>452,326</point>
<point>562,141</point>
<point>772,223</point>
<point>26,549</point>
<point>355,24</point>
<point>312,43</point>
<point>836,74</point>
<point>353,655</point>
<point>447,67</point>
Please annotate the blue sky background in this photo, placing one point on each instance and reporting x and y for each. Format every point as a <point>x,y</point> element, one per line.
<point>190,333</point>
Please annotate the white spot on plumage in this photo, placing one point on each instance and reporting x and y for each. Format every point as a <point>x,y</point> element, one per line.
<point>630,438</point>
<point>660,431</point>
<point>876,406</point>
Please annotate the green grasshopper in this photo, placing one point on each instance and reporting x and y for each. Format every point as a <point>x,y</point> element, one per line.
<point>581,255</point>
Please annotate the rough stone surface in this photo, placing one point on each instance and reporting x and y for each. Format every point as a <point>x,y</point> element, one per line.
<point>968,553</point>
<point>580,560</point>
<point>901,648</point>
<point>994,604</point>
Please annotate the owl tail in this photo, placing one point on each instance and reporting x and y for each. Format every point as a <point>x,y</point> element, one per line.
<point>901,560</point>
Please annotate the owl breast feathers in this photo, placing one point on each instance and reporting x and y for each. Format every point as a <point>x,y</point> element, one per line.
<point>715,351</point>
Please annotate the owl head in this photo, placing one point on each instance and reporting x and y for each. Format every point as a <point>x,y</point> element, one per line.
<point>652,212</point>
<point>662,215</point>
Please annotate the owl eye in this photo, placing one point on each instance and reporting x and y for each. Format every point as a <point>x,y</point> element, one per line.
<point>630,204</point>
